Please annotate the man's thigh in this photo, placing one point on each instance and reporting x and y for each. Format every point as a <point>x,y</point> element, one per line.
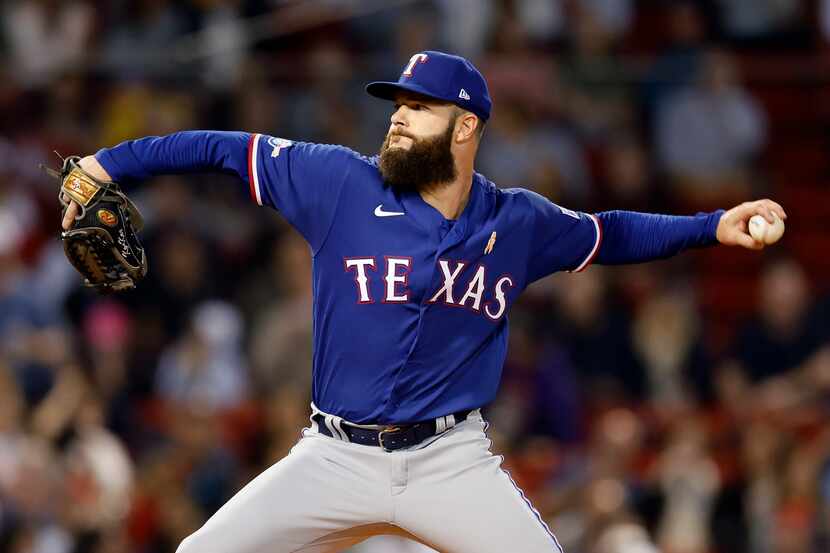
<point>311,501</point>
<point>461,501</point>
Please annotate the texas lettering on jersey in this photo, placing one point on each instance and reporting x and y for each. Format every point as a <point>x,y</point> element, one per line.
<point>396,274</point>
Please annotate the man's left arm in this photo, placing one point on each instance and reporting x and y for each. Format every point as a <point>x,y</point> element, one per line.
<point>631,237</point>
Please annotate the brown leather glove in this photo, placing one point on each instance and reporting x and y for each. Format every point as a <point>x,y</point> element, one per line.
<point>102,243</point>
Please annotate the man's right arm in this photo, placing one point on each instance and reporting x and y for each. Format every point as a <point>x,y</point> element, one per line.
<point>181,152</point>
<point>301,180</point>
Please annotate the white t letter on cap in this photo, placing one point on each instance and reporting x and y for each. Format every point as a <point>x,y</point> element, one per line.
<point>417,58</point>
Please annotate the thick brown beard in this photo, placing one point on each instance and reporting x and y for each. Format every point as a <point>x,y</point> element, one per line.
<point>427,164</point>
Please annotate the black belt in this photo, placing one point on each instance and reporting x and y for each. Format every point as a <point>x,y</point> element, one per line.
<point>392,437</point>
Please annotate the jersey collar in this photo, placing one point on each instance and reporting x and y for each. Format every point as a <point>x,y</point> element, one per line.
<point>432,219</point>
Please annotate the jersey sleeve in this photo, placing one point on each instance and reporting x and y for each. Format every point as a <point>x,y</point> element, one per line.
<point>631,237</point>
<point>562,240</point>
<point>301,180</point>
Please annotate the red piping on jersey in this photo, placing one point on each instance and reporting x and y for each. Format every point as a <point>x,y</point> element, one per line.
<point>594,253</point>
<point>251,162</point>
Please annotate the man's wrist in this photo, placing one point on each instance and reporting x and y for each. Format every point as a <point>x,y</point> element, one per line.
<point>94,168</point>
<point>713,224</point>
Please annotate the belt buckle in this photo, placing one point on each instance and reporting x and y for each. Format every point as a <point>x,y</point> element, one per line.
<point>386,431</point>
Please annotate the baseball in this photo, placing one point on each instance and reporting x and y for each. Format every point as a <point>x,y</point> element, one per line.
<point>764,232</point>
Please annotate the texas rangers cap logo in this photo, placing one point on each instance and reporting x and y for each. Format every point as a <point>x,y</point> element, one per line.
<point>417,58</point>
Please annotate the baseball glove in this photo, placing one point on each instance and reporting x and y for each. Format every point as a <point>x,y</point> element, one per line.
<point>102,243</point>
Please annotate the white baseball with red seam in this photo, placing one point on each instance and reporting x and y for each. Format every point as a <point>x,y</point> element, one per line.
<point>762,231</point>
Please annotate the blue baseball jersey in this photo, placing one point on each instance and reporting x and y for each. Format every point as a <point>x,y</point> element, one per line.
<point>410,309</point>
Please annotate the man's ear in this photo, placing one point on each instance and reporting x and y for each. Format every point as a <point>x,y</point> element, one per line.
<point>466,126</point>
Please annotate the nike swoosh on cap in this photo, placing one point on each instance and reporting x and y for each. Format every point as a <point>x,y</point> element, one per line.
<point>379,212</point>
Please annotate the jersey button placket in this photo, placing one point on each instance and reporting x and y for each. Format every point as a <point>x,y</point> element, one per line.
<point>394,400</point>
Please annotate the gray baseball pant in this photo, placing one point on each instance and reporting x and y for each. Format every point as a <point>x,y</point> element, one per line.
<point>448,493</point>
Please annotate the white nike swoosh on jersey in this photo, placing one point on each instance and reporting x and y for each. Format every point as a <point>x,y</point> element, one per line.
<point>379,212</point>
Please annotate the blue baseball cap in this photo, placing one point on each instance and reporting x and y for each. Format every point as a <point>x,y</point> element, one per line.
<point>443,77</point>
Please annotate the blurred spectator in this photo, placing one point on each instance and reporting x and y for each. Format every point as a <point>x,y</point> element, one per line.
<point>18,310</point>
<point>667,340</point>
<point>258,107</point>
<point>627,180</point>
<point>593,487</point>
<point>223,42</point>
<point>519,153</point>
<point>689,480</point>
<point>281,336</point>
<point>708,135</point>
<point>539,20</point>
<point>597,336</point>
<point>46,37</point>
<point>595,80</point>
<point>31,496</point>
<point>782,335</point>
<point>677,63</point>
<point>205,465</point>
<point>138,43</point>
<point>181,279</point>
<point>320,107</point>
<point>796,511</point>
<point>526,80</point>
<point>546,20</point>
<point>161,512</point>
<point>99,473</point>
<point>46,350</point>
<point>107,329</point>
<point>206,367</point>
<point>35,501</point>
<point>540,392</point>
<point>762,451</point>
<point>615,16</point>
<point>751,20</point>
<point>465,25</point>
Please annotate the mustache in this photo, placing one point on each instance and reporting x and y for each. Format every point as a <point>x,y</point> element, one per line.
<point>398,133</point>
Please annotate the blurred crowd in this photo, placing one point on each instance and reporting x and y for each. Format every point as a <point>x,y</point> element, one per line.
<point>125,421</point>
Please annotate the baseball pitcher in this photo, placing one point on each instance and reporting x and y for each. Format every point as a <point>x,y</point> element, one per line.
<point>417,259</point>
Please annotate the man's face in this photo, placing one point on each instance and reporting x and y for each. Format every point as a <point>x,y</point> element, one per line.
<point>417,151</point>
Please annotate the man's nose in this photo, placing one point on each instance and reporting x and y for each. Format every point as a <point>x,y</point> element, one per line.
<point>399,116</point>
